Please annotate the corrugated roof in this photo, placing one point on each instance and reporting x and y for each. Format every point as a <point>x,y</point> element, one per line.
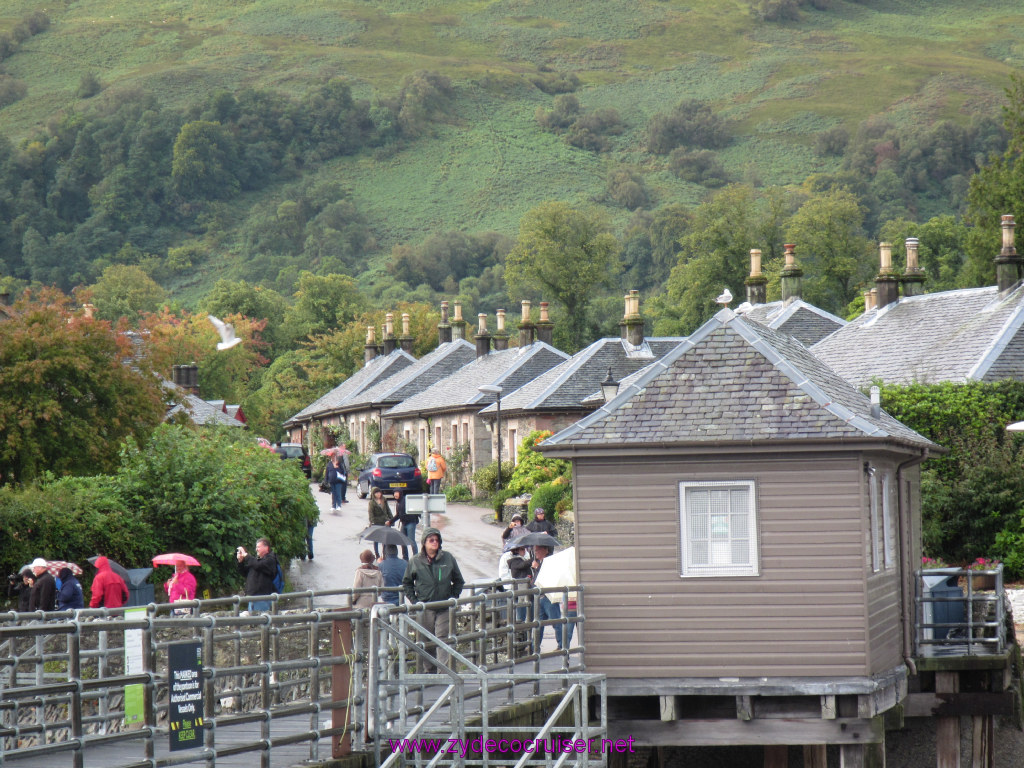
<point>735,381</point>
<point>377,369</point>
<point>509,369</point>
<point>569,384</point>
<point>968,334</point>
<point>443,361</point>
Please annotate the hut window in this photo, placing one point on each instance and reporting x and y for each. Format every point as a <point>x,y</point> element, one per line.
<point>882,497</point>
<point>719,528</point>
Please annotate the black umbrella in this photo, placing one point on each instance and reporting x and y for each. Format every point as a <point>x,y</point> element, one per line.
<point>385,534</point>
<point>115,566</point>
<point>537,539</point>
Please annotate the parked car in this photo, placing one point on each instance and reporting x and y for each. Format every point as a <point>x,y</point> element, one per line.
<point>390,472</point>
<point>298,452</point>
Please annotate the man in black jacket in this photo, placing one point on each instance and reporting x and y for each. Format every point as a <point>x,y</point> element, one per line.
<point>259,572</point>
<point>541,524</point>
<point>44,591</point>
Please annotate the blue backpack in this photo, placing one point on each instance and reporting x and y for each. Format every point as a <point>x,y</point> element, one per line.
<point>279,581</point>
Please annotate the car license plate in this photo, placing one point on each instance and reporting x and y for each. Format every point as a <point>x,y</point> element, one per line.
<point>399,485</point>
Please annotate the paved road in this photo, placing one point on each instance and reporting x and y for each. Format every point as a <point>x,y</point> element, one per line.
<point>475,543</point>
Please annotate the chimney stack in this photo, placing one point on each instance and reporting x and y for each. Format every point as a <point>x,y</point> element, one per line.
<point>406,339</point>
<point>444,328</point>
<point>545,328</point>
<point>482,338</point>
<point>632,323</point>
<point>186,377</point>
<point>500,335</point>
<point>370,348</point>
<point>1008,263</point>
<point>390,342</point>
<point>757,283</point>
<point>526,326</point>
<point>792,275</point>
<point>458,324</point>
<point>5,298</point>
<point>913,275</point>
<point>886,283</point>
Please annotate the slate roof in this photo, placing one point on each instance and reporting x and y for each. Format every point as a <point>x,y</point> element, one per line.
<point>198,410</point>
<point>566,386</point>
<point>958,336</point>
<point>735,380</point>
<point>443,361</point>
<point>379,368</point>
<point>510,369</point>
<point>805,322</point>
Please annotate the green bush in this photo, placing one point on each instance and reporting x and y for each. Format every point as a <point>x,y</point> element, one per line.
<point>458,492</point>
<point>548,496</point>
<point>499,499</point>
<point>486,478</point>
<point>534,468</point>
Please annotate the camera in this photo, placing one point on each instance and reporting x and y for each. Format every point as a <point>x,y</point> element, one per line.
<point>12,577</point>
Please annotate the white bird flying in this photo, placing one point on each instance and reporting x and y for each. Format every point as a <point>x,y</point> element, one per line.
<point>725,298</point>
<point>227,333</point>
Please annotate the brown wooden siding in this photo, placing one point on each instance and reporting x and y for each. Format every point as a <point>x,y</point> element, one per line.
<point>808,613</point>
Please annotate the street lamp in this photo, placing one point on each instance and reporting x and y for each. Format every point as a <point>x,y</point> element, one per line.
<point>494,389</point>
<point>609,387</point>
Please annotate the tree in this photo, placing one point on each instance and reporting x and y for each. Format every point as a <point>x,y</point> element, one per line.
<point>204,161</point>
<point>834,252</point>
<point>323,303</point>
<point>238,297</point>
<point>125,290</point>
<point>564,253</point>
<point>67,396</point>
<point>997,189</point>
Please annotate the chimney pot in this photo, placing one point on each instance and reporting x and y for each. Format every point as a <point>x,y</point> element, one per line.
<point>444,329</point>
<point>482,338</point>
<point>545,327</point>
<point>790,254</point>
<point>1009,265</point>
<point>526,326</point>
<point>913,275</point>
<point>885,257</point>
<point>525,311</point>
<point>481,324</point>
<point>389,324</point>
<point>458,323</point>
<point>1008,227</point>
<point>757,283</point>
<point>500,339</point>
<point>886,284</point>
<point>544,312</point>
<point>458,310</point>
<point>792,275</point>
<point>501,320</point>
<point>405,323</point>
<point>876,401</point>
<point>370,348</point>
<point>755,262</point>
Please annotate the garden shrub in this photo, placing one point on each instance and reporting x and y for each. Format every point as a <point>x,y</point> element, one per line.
<point>548,496</point>
<point>486,478</point>
<point>459,492</point>
<point>534,468</point>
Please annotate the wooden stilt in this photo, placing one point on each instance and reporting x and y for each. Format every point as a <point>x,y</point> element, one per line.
<point>815,756</point>
<point>983,747</point>
<point>947,729</point>
<point>776,756</point>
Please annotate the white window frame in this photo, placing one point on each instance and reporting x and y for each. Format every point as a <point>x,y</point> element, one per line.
<point>750,568</point>
<point>888,521</point>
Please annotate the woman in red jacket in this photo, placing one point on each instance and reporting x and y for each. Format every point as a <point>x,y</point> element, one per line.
<point>108,589</point>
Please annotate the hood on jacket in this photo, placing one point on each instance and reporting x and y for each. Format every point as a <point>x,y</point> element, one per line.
<point>431,532</point>
<point>64,575</point>
<point>102,563</point>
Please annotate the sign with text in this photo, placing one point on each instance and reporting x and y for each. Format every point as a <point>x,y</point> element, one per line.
<point>134,695</point>
<point>185,680</point>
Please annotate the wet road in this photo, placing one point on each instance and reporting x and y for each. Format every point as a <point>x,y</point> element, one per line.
<point>475,543</point>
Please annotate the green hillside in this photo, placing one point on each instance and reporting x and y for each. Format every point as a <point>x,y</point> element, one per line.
<point>482,161</point>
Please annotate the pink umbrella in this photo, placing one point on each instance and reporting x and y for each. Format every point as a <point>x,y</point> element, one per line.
<point>171,557</point>
<point>262,442</point>
<point>341,450</point>
<point>55,566</point>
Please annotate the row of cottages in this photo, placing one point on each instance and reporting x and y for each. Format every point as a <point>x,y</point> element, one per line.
<point>761,573</point>
<point>970,334</point>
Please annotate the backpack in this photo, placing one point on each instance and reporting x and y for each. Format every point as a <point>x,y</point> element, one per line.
<point>279,581</point>
<point>432,465</point>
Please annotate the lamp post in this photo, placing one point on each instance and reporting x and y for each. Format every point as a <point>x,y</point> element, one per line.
<point>494,389</point>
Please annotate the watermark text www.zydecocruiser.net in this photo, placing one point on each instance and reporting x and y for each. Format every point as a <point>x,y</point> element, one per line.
<point>478,746</point>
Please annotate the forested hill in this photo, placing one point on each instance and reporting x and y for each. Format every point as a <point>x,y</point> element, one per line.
<point>203,139</point>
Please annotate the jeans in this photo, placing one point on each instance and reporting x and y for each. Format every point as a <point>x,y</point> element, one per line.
<point>570,613</point>
<point>409,529</point>
<point>548,610</point>
<point>309,540</point>
<point>435,485</point>
<point>259,606</point>
<point>337,494</point>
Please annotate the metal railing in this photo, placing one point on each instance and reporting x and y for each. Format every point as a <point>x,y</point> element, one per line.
<point>277,686</point>
<point>960,612</point>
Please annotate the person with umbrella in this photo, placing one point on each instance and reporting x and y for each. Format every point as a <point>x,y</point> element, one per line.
<point>378,513</point>
<point>393,570</point>
<point>44,590</point>
<point>182,585</point>
<point>108,588</point>
<point>337,479</point>
<point>69,591</point>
